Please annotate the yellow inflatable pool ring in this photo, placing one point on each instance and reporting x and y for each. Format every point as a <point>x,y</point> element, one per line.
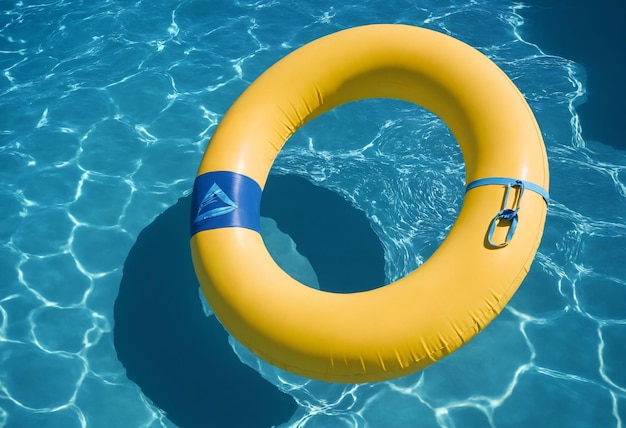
<point>402,327</point>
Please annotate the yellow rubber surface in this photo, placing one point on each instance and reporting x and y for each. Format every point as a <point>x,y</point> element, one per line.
<point>407,325</point>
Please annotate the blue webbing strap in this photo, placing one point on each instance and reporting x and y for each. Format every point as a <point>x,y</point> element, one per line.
<point>507,214</point>
<point>225,199</point>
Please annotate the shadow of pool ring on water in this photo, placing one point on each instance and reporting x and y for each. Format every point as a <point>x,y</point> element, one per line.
<point>335,237</point>
<point>181,359</point>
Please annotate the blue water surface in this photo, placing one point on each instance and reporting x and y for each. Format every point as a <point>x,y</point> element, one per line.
<point>105,111</point>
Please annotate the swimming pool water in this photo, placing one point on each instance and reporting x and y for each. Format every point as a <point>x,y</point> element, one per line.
<point>105,111</point>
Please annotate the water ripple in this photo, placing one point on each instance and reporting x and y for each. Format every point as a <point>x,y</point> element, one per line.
<point>106,109</point>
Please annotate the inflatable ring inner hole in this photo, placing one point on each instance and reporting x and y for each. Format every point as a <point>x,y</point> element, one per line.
<point>324,193</point>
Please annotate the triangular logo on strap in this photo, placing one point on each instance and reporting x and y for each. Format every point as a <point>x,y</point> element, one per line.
<point>215,203</point>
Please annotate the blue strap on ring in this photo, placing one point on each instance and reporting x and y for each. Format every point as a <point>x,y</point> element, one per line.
<point>225,199</point>
<point>507,214</point>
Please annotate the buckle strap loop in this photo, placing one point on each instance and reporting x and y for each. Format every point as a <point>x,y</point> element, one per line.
<point>509,215</point>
